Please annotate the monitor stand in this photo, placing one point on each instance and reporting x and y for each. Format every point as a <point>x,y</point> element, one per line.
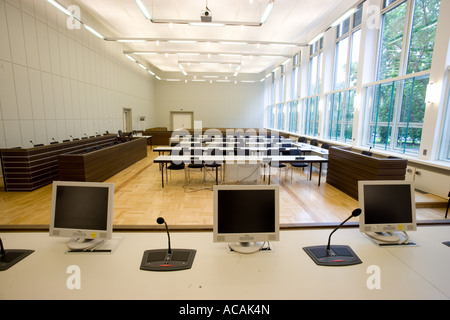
<point>246,247</point>
<point>93,245</point>
<point>400,238</point>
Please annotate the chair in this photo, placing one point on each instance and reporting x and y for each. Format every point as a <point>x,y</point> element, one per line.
<point>314,142</point>
<point>296,152</point>
<point>325,146</point>
<point>302,139</point>
<point>195,164</point>
<point>214,165</point>
<point>276,164</point>
<point>176,166</point>
<point>366,153</point>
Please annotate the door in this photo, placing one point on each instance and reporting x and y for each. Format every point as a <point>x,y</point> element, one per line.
<point>182,120</point>
<point>127,120</point>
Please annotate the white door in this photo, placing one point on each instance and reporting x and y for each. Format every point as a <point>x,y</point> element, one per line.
<point>182,120</point>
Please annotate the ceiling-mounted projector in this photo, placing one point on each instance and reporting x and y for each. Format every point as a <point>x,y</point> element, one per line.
<point>206,16</point>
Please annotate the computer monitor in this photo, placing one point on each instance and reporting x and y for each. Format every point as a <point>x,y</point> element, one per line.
<point>388,210</point>
<point>83,211</point>
<point>246,216</point>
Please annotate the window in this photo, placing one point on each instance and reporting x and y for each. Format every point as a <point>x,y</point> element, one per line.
<point>340,115</point>
<point>293,115</point>
<point>419,41</point>
<point>339,103</point>
<point>444,153</point>
<point>397,112</point>
<point>295,77</point>
<point>315,67</point>
<point>397,101</point>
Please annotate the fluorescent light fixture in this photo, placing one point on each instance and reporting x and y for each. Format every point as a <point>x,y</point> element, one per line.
<point>188,53</point>
<point>142,66</point>
<point>149,71</point>
<point>157,77</point>
<point>94,32</point>
<point>229,54</point>
<point>233,42</point>
<point>60,7</point>
<point>206,24</point>
<point>145,53</point>
<point>320,35</point>
<point>182,41</point>
<point>267,11</point>
<point>143,9</point>
<point>130,57</point>
<point>344,17</point>
<point>184,72</point>
<point>132,40</point>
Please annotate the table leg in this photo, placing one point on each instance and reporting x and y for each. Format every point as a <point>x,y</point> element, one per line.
<point>320,171</point>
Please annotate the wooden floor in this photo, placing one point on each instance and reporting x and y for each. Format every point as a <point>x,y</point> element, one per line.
<point>139,200</point>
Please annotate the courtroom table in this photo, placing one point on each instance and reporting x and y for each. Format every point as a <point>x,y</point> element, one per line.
<point>165,159</point>
<point>285,273</point>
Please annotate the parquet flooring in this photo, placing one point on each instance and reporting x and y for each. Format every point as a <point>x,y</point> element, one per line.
<point>139,200</point>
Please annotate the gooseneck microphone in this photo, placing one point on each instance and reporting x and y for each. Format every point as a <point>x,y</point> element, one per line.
<point>336,255</point>
<point>161,221</point>
<point>167,259</point>
<point>355,213</point>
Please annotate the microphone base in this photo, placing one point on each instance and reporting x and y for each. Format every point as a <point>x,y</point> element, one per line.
<point>336,256</point>
<point>161,260</point>
<point>11,257</point>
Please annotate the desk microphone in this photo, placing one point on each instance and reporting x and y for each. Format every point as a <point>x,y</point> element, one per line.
<point>335,255</point>
<point>10,257</point>
<point>167,259</point>
<point>169,250</point>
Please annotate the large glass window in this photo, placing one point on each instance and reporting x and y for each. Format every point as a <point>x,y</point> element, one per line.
<point>444,153</point>
<point>397,101</point>
<point>340,102</point>
<point>422,35</point>
<point>392,42</point>
<point>396,114</point>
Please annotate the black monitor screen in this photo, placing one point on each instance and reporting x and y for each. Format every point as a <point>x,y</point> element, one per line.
<point>246,211</point>
<point>81,208</point>
<point>387,204</point>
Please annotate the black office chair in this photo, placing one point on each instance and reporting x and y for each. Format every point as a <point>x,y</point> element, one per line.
<point>366,153</point>
<point>302,139</point>
<point>314,142</point>
<point>325,146</point>
<point>214,164</point>
<point>195,164</point>
<point>298,153</point>
<point>176,165</point>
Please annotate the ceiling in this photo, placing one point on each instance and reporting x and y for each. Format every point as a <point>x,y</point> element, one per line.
<point>244,49</point>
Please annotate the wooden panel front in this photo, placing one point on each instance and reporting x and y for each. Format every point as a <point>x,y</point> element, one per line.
<point>346,168</point>
<point>101,164</point>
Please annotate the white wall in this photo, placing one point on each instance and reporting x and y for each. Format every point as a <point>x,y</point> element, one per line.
<point>56,82</point>
<point>217,105</point>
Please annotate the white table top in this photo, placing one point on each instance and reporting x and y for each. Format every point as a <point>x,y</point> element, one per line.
<point>286,273</point>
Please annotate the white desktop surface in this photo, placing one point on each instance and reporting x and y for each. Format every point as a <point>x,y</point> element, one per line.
<point>286,273</point>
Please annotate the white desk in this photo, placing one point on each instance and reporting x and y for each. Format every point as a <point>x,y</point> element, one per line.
<point>286,273</point>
